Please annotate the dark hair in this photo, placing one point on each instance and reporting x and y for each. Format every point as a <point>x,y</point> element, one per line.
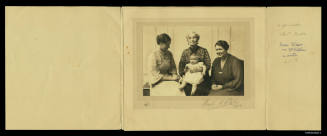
<point>223,44</point>
<point>163,38</point>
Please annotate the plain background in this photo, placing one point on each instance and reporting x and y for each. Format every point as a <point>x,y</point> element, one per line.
<point>294,85</point>
<point>63,68</point>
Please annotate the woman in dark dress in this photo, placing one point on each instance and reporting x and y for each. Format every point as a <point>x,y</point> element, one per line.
<point>227,73</point>
<point>204,87</point>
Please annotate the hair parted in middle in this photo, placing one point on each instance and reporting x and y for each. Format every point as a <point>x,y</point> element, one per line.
<point>163,38</point>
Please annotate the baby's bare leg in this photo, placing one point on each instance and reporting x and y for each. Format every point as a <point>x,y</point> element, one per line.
<point>194,86</point>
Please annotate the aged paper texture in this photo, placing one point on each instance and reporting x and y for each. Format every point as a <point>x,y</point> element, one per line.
<point>90,68</point>
<point>63,68</point>
<point>173,111</point>
<point>294,68</point>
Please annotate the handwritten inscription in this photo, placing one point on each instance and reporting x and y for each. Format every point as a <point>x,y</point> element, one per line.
<point>228,102</point>
<point>291,45</point>
<point>287,25</point>
<point>291,49</point>
<point>290,33</point>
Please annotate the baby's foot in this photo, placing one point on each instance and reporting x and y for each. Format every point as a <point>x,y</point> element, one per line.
<point>192,92</point>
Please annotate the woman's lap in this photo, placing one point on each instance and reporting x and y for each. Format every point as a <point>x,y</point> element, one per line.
<point>202,89</point>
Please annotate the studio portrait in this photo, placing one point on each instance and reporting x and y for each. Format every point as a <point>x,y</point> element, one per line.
<point>194,60</point>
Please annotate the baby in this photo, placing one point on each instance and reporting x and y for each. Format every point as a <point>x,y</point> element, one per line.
<point>194,72</point>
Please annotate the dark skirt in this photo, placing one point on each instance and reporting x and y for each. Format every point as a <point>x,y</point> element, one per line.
<point>203,88</point>
<point>226,92</point>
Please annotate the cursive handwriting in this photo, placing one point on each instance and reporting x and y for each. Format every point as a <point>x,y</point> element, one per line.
<point>282,26</point>
<point>291,46</point>
<point>222,103</point>
<point>290,33</point>
<point>291,49</point>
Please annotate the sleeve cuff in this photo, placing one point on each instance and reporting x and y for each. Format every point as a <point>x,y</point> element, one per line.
<point>154,80</point>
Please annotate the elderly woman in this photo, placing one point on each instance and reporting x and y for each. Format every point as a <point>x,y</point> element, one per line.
<point>227,73</point>
<point>162,67</point>
<point>194,49</point>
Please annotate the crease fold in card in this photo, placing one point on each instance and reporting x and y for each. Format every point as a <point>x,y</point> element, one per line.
<point>87,68</point>
<point>63,68</point>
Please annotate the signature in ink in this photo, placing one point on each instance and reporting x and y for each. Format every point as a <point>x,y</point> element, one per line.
<point>218,103</point>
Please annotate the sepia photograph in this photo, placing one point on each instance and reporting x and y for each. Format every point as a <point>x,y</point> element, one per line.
<point>129,68</point>
<point>194,58</point>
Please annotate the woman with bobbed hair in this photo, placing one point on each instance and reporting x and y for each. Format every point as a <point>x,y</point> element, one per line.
<point>227,73</point>
<point>161,62</point>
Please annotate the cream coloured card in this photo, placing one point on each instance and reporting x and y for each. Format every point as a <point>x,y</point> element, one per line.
<point>294,68</point>
<point>63,68</point>
<point>89,68</point>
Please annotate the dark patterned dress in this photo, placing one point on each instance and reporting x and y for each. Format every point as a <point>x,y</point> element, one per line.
<point>203,88</point>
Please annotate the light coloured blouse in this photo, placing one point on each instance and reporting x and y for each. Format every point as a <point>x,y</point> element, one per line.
<point>161,66</point>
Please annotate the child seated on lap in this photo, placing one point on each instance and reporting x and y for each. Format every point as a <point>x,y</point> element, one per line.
<point>194,72</point>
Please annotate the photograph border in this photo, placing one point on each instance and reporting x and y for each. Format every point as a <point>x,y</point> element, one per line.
<point>208,102</point>
<point>291,3</point>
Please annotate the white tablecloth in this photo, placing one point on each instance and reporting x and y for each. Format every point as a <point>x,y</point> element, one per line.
<point>166,88</point>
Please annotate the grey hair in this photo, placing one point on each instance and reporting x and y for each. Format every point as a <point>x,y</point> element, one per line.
<point>196,35</point>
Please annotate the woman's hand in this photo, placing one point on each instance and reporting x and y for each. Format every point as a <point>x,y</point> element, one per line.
<point>216,87</point>
<point>180,80</point>
<point>170,77</point>
<point>191,71</point>
<point>219,87</point>
<point>177,78</point>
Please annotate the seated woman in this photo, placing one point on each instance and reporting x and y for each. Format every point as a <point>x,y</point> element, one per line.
<point>227,73</point>
<point>203,88</point>
<point>194,72</point>
<point>162,67</point>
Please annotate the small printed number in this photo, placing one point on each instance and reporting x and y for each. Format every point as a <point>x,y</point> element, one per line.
<point>313,132</point>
